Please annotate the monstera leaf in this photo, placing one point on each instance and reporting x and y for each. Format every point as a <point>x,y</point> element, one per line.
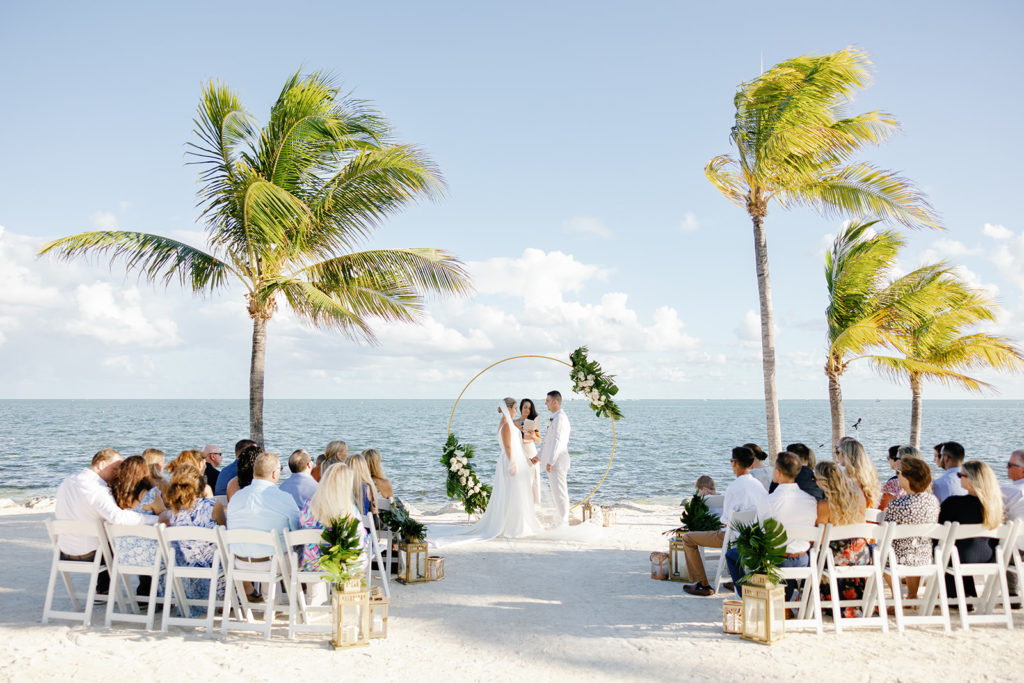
<point>762,547</point>
<point>697,516</point>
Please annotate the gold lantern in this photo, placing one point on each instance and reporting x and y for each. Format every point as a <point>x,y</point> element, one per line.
<point>588,511</point>
<point>659,565</point>
<point>732,616</point>
<point>608,517</point>
<point>412,562</point>
<point>351,616</point>
<point>378,616</point>
<point>677,561</point>
<point>435,568</point>
<point>764,610</point>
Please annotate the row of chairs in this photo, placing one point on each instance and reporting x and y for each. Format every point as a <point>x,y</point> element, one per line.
<point>990,578</point>
<point>236,610</point>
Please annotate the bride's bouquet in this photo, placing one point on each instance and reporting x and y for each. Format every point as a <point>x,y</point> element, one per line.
<point>463,483</point>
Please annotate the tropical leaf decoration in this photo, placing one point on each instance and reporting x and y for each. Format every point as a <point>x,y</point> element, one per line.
<point>398,520</point>
<point>697,516</point>
<point>589,380</point>
<point>462,482</point>
<point>762,548</point>
<point>340,550</point>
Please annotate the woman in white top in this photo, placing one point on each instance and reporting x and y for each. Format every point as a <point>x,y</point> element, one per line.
<point>529,424</point>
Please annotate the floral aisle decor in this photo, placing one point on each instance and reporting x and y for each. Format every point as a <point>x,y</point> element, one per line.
<point>589,380</point>
<point>463,484</point>
<point>398,520</point>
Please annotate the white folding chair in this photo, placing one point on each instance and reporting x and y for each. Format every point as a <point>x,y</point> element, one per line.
<point>300,613</point>
<point>385,535</point>
<point>932,589</point>
<point>65,568</point>
<point>994,586</point>
<point>122,604</point>
<point>808,603</point>
<point>741,517</point>
<point>375,553</point>
<point>874,516</point>
<point>871,573</point>
<point>176,587</point>
<point>269,571</point>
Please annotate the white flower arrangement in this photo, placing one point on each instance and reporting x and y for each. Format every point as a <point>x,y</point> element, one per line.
<point>589,381</point>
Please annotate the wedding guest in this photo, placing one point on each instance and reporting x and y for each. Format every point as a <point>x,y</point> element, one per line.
<point>805,479</point>
<point>155,460</point>
<point>854,459</point>
<point>760,469</point>
<point>363,483</point>
<point>213,456</point>
<point>744,493</point>
<point>193,458</point>
<point>231,471</point>
<point>245,462</point>
<point>129,488</point>
<point>844,504</point>
<point>300,485</point>
<point>891,488</point>
<point>335,498</point>
<point>788,505</point>
<point>951,457</point>
<point>86,496</point>
<point>982,504</point>
<point>1013,505</point>
<point>318,468</point>
<point>917,506</point>
<point>705,486</point>
<point>189,508</point>
<point>373,461</point>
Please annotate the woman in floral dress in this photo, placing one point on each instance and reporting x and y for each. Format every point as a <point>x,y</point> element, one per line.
<point>919,506</point>
<point>188,508</point>
<point>845,504</point>
<point>130,488</point>
<point>335,497</point>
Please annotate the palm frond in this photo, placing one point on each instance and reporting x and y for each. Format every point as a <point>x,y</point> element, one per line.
<point>430,271</point>
<point>719,172</point>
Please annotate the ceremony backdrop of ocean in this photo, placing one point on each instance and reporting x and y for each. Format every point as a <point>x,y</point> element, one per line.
<point>662,446</point>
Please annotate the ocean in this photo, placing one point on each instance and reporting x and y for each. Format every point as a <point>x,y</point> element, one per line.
<point>661,446</point>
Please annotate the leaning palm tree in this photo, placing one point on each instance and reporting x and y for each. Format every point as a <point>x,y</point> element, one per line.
<point>794,146</point>
<point>285,206</point>
<point>936,346</point>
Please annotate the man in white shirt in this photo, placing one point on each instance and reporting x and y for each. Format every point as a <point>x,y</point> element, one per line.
<point>86,496</point>
<point>1013,504</point>
<point>745,493</point>
<point>950,459</point>
<point>261,505</point>
<point>789,506</point>
<point>300,485</point>
<point>554,456</point>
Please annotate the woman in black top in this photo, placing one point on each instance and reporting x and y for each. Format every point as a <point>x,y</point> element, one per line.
<point>983,504</point>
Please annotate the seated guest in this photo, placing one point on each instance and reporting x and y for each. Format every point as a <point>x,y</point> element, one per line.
<point>189,508</point>
<point>917,506</point>
<point>705,486</point>
<point>231,471</point>
<point>318,468</point>
<point>891,487</point>
<point>195,459</point>
<point>86,496</point>
<point>805,479</point>
<point>334,498</point>
<point>244,463</point>
<point>213,456</point>
<point>742,494</point>
<point>844,504</point>
<point>851,456</point>
<point>300,484</point>
<point>951,457</point>
<point>366,492</point>
<point>130,487</point>
<point>1013,504</point>
<point>982,504</point>
<point>760,470</point>
<point>373,461</point>
<point>789,506</point>
<point>155,460</point>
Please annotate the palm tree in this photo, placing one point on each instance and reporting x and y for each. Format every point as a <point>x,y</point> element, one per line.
<point>936,347</point>
<point>794,147</point>
<point>284,207</point>
<point>864,306</point>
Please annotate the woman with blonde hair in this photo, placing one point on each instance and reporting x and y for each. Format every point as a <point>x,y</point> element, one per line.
<point>334,498</point>
<point>373,461</point>
<point>844,504</point>
<point>850,454</point>
<point>188,507</point>
<point>362,484</point>
<point>983,505</point>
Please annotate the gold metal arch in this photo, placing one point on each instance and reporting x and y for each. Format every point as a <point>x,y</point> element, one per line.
<point>557,360</point>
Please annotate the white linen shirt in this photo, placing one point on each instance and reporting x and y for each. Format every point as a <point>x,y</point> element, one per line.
<point>948,485</point>
<point>86,497</point>
<point>790,506</point>
<point>745,493</point>
<point>1013,500</point>
<point>555,447</point>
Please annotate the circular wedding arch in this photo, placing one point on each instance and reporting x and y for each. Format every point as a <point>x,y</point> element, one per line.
<point>557,360</point>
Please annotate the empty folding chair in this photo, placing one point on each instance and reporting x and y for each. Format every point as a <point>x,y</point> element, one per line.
<point>375,554</point>
<point>385,535</point>
<point>871,573</point>
<point>184,581</point>
<point>137,552</point>
<point>268,569</point>
<point>66,568</point>
<point>742,517</point>
<point>300,612</point>
<point>808,602</point>
<point>993,588</point>
<point>932,588</point>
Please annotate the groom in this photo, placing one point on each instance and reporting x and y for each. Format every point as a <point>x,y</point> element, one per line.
<point>554,455</point>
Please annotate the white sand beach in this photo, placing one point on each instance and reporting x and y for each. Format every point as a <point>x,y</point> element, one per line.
<point>507,610</point>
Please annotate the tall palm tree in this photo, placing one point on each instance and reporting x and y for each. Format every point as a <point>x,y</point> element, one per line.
<point>284,206</point>
<point>937,346</point>
<point>794,146</point>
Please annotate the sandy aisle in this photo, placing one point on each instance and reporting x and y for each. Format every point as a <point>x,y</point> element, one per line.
<point>508,610</point>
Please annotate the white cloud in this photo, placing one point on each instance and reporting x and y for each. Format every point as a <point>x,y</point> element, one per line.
<point>690,222</point>
<point>540,277</point>
<point>21,284</point>
<point>117,318</point>
<point>749,329</point>
<point>588,226</point>
<point>954,248</point>
<point>143,366</point>
<point>1009,258</point>
<point>103,220</point>
<point>996,232</point>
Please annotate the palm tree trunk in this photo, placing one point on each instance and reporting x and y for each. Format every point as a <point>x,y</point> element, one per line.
<point>915,411</point>
<point>259,353</point>
<point>835,404</point>
<point>764,292</point>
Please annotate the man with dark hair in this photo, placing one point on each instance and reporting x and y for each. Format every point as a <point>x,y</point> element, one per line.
<point>554,456</point>
<point>950,459</point>
<point>300,485</point>
<point>231,471</point>
<point>805,479</point>
<point>788,505</point>
<point>745,493</point>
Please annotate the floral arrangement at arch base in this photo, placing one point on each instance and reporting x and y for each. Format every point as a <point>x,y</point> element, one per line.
<point>463,484</point>
<point>589,380</point>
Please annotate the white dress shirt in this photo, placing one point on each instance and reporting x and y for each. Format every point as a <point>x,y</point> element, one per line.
<point>86,497</point>
<point>948,485</point>
<point>1013,500</point>
<point>790,506</point>
<point>745,493</point>
<point>555,446</point>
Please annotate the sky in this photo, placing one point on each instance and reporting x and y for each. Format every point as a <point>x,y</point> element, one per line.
<point>572,137</point>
